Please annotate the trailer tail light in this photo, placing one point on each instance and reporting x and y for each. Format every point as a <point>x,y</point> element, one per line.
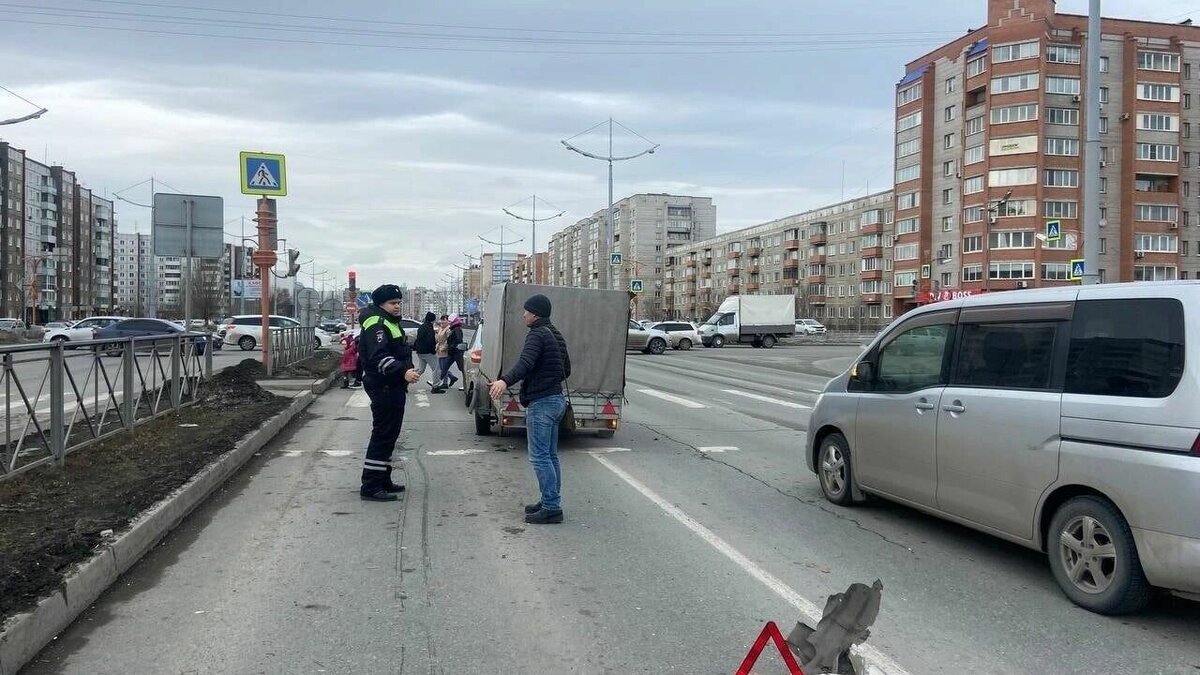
<point>612,424</point>
<point>1196,446</point>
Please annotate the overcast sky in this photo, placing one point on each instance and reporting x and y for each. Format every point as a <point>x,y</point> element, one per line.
<point>408,126</point>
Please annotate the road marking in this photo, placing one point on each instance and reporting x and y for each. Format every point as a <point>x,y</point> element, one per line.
<point>359,399</point>
<point>876,660</point>
<point>454,453</point>
<point>338,453</point>
<point>767,399</point>
<point>422,399</point>
<point>718,448</point>
<point>606,451</point>
<point>687,403</point>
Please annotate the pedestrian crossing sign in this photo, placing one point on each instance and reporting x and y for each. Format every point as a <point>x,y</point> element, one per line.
<point>635,285</point>
<point>1077,268</point>
<point>263,174</point>
<point>614,259</point>
<point>1053,230</point>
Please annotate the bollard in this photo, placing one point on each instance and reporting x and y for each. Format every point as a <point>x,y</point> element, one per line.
<point>58,440</point>
<point>176,389</point>
<point>129,403</point>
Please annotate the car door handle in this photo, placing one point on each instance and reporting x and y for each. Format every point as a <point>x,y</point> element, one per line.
<point>922,405</point>
<point>955,408</point>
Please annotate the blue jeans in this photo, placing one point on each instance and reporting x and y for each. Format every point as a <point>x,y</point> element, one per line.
<point>542,418</point>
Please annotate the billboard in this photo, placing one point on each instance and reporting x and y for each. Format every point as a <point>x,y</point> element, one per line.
<point>248,289</point>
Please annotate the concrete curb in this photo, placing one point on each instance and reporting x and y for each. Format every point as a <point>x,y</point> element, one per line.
<point>24,635</point>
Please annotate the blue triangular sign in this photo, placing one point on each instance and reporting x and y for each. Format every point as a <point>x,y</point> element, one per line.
<point>1078,271</point>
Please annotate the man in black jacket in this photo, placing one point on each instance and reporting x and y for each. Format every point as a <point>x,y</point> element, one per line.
<point>387,362</point>
<point>426,346</point>
<point>543,366</point>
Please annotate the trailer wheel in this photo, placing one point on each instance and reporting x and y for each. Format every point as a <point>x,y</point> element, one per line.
<point>483,424</point>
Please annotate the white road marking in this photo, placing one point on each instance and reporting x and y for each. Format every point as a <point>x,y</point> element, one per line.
<point>606,451</point>
<point>454,453</point>
<point>359,399</point>
<point>767,399</point>
<point>687,403</point>
<point>338,453</point>
<point>718,448</point>
<point>422,399</point>
<point>877,661</point>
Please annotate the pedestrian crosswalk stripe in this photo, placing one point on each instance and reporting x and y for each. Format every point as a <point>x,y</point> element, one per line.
<point>454,453</point>
<point>717,448</point>
<point>767,399</point>
<point>605,451</point>
<point>359,399</point>
<point>687,403</point>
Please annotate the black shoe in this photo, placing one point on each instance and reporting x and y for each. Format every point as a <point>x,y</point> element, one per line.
<point>435,390</point>
<point>453,379</point>
<point>392,487</point>
<point>345,386</point>
<point>543,517</point>
<point>377,495</point>
<point>533,508</point>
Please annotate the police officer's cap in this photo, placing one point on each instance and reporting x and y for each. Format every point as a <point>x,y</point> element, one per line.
<point>385,293</point>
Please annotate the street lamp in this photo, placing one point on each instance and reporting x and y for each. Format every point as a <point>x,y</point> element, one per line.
<point>534,220</point>
<point>24,118</point>
<point>610,158</point>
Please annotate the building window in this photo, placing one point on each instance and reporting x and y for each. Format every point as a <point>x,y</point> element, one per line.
<point>1015,113</point>
<point>950,84</point>
<point>947,196</point>
<point>1009,177</point>
<point>973,154</point>
<point>1056,271</point>
<point>1062,54</point>
<point>906,252</point>
<point>1011,83</point>
<point>1060,209</point>
<point>1153,91</point>
<point>1014,208</point>
<point>1010,270</point>
<point>909,122</point>
<point>1156,243</point>
<point>907,226</point>
<point>1063,116</point>
<point>908,148</point>
<point>1062,178</point>
<point>1187,101</point>
<point>1012,239</point>
<point>1104,94</point>
<point>907,173</point>
<point>973,126</point>
<point>976,66</point>
<point>947,223</point>
<point>1157,122</point>
<point>1154,273</point>
<point>948,141</point>
<point>972,214</point>
<point>908,200</point>
<point>972,273</point>
<point>909,94</point>
<point>1015,52</point>
<point>1158,152</point>
<point>1157,213</point>
<point>1104,125</point>
<point>1187,129</point>
<point>973,185</point>
<point>1104,64</point>
<point>948,168</point>
<point>949,113</point>
<point>1103,184</point>
<point>1062,146</point>
<point>1103,245</point>
<point>1062,85</point>
<point>973,244</point>
<point>1162,61</point>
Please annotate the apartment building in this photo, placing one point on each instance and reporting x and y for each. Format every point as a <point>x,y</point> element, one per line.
<point>531,269</point>
<point>132,258</point>
<point>990,134</point>
<point>832,259</point>
<point>55,242</point>
<point>646,228</point>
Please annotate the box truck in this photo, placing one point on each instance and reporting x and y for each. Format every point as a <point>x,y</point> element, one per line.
<point>760,320</point>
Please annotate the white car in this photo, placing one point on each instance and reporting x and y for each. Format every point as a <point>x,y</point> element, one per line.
<point>809,327</point>
<point>245,330</point>
<point>684,335</point>
<point>79,332</point>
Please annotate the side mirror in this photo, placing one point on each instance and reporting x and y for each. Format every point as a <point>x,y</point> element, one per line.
<point>863,371</point>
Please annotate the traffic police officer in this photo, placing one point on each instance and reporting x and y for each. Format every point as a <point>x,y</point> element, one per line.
<point>387,365</point>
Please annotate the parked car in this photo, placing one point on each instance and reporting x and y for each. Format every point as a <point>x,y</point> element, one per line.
<point>645,340</point>
<point>681,334</point>
<point>809,327</point>
<point>134,328</point>
<point>330,326</point>
<point>12,325</point>
<point>57,325</point>
<point>245,330</point>
<point>81,331</point>
<point>1046,417</point>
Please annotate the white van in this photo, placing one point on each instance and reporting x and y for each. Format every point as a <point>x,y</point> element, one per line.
<point>1066,420</point>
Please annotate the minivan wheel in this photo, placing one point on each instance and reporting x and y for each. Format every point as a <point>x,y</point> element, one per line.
<point>685,344</point>
<point>657,346</point>
<point>246,343</point>
<point>833,468</point>
<point>768,341</point>
<point>718,341</point>
<point>1094,558</point>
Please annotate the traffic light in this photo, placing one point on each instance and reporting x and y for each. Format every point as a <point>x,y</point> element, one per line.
<point>353,280</point>
<point>293,266</point>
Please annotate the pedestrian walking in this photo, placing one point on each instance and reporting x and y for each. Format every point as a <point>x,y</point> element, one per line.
<point>349,365</point>
<point>426,347</point>
<point>543,366</point>
<point>387,361</point>
<point>454,354</point>
<point>442,340</point>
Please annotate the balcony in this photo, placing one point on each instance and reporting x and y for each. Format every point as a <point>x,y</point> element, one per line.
<point>816,299</point>
<point>817,238</point>
<point>791,264</point>
<point>752,287</point>
<point>691,262</point>
<point>871,275</point>
<point>733,272</point>
<point>816,278</point>
<point>754,251</point>
<point>731,288</point>
<point>706,274</point>
<point>792,244</point>
<point>754,269</point>
<point>707,258</point>
<point>873,228</point>
<point>733,255</point>
<point>871,252</point>
<point>816,259</point>
<point>872,298</point>
<point>789,282</point>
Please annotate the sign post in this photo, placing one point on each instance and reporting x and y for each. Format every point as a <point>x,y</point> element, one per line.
<point>264,174</point>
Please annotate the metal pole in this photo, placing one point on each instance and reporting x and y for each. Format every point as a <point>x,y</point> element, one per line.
<point>243,247</point>
<point>1091,153</point>
<point>533,244</point>
<point>153,284</point>
<point>187,248</point>
<point>611,286</point>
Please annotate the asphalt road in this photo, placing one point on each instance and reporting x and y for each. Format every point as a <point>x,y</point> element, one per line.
<point>686,532</point>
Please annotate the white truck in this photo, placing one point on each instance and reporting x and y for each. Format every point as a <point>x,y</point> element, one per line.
<point>595,325</point>
<point>760,320</point>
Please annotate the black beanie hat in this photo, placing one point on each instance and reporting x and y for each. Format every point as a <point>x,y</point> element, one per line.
<point>539,305</point>
<point>430,317</point>
<point>385,293</point>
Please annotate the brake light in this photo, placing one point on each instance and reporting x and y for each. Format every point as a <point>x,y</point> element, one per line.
<point>1196,447</point>
<point>476,356</point>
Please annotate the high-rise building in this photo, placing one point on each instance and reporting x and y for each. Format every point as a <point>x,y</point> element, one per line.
<point>990,133</point>
<point>647,226</point>
<point>130,273</point>
<point>833,259</point>
<point>531,269</point>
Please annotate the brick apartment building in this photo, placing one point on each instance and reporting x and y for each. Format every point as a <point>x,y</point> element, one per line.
<point>989,147</point>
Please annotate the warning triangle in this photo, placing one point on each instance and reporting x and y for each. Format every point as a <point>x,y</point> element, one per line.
<point>769,632</point>
<point>263,178</point>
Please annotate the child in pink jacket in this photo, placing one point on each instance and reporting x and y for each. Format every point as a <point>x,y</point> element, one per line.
<point>350,363</point>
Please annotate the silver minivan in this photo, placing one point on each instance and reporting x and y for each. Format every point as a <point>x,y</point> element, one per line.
<point>1065,419</point>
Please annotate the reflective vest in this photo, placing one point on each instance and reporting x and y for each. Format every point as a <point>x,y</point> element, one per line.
<point>394,329</point>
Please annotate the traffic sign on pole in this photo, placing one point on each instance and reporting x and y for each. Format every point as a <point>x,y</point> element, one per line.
<point>1077,269</point>
<point>1053,230</point>
<point>263,173</point>
<point>635,285</point>
<point>614,259</point>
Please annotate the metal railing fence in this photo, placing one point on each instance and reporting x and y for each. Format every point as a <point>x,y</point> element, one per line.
<point>290,345</point>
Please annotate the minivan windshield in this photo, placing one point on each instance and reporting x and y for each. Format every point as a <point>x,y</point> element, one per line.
<point>716,318</point>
